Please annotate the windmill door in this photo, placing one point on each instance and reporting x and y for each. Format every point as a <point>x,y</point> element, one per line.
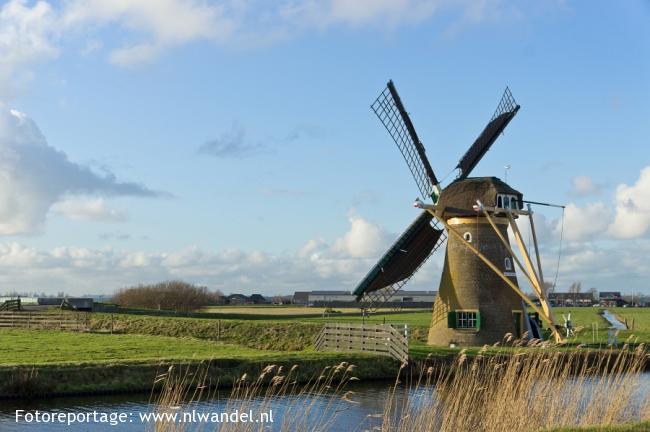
<point>517,315</point>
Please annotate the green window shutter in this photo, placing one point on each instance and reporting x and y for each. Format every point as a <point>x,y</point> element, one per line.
<point>478,319</point>
<point>451,320</point>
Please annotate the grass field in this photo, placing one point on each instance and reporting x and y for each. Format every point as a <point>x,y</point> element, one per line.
<point>40,346</point>
<point>237,338</point>
<point>278,332</point>
<point>280,311</point>
<point>40,362</point>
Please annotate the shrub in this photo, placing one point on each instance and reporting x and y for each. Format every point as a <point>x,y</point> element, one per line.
<point>168,295</point>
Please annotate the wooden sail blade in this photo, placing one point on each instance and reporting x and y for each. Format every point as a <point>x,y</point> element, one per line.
<point>404,257</point>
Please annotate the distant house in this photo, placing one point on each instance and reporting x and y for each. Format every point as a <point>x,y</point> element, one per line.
<point>571,299</point>
<point>300,298</point>
<point>75,303</point>
<point>610,299</point>
<point>259,299</point>
<point>238,299</point>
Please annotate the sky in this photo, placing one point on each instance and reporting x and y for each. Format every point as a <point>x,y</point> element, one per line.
<point>231,143</point>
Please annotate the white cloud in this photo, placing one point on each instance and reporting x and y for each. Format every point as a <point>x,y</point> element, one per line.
<point>134,55</point>
<point>587,223</point>
<point>584,186</point>
<point>632,208</point>
<point>360,12</point>
<point>92,209</point>
<point>363,240</point>
<point>339,264</point>
<point>27,36</point>
<point>161,24</point>
<point>31,32</point>
<point>34,176</point>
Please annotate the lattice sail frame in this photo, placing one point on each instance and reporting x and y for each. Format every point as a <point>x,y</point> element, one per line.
<point>391,113</point>
<point>505,111</point>
<point>507,104</point>
<point>376,299</point>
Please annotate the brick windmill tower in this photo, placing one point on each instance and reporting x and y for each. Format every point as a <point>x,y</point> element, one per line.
<point>479,299</point>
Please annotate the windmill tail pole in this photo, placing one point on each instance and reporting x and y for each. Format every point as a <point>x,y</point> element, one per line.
<point>543,204</point>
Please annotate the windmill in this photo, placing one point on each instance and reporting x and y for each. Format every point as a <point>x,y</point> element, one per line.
<point>479,299</point>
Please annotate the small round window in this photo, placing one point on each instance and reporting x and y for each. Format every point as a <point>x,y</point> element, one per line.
<point>468,237</point>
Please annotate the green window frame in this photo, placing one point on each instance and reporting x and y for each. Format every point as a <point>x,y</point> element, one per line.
<point>464,319</point>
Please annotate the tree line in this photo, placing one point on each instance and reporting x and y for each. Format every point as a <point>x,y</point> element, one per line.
<point>169,295</point>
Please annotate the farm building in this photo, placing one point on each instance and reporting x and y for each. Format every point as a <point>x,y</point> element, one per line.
<point>75,303</point>
<point>300,298</point>
<point>611,299</point>
<point>347,299</point>
<point>571,299</point>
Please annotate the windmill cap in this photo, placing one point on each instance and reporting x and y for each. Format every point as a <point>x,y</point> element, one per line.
<point>462,194</point>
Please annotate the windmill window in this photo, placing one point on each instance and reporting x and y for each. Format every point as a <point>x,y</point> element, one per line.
<point>508,263</point>
<point>500,201</point>
<point>506,203</point>
<point>513,203</point>
<point>464,319</point>
<point>468,237</point>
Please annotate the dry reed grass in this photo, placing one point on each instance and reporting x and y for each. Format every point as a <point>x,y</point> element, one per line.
<point>311,406</point>
<point>534,387</point>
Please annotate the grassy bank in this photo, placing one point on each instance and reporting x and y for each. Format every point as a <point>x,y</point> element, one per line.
<point>278,336</point>
<point>34,362</point>
<point>49,380</point>
<point>279,331</point>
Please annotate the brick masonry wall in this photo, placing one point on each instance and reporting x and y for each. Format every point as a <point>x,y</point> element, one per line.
<point>468,283</point>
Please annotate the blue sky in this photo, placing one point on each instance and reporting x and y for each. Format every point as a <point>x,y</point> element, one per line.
<point>231,143</point>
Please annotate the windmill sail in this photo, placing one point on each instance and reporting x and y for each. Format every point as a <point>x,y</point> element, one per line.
<point>389,109</point>
<point>403,259</point>
<point>505,111</point>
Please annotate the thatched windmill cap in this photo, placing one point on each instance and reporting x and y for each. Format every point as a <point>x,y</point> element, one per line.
<point>462,194</point>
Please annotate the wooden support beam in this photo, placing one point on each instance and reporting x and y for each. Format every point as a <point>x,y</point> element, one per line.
<point>544,298</point>
<point>537,285</point>
<point>539,261</point>
<point>505,243</point>
<point>498,272</point>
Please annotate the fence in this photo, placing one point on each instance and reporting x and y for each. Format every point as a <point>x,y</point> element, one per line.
<point>10,305</point>
<point>382,339</point>
<point>71,321</point>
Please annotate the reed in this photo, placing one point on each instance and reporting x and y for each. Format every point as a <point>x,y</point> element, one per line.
<point>311,406</point>
<point>532,386</point>
<point>535,388</point>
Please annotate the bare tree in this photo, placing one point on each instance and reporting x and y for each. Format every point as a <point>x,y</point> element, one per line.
<point>168,295</point>
<point>575,287</point>
<point>594,293</point>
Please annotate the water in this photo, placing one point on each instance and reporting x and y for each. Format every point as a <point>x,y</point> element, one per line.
<point>613,321</point>
<point>369,400</point>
